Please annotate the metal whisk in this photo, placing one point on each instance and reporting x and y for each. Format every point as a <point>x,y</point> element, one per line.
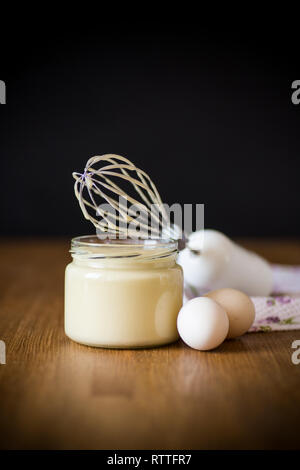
<point>95,186</point>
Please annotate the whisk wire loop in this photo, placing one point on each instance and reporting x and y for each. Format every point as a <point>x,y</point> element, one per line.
<point>97,180</point>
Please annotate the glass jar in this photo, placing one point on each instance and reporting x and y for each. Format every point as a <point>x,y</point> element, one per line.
<point>122,293</point>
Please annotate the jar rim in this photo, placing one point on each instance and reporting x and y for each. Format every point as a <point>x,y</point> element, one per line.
<point>91,246</point>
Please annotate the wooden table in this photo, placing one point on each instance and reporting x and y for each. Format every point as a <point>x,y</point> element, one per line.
<point>57,394</point>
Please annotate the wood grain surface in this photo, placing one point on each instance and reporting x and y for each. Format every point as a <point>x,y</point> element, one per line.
<point>56,394</point>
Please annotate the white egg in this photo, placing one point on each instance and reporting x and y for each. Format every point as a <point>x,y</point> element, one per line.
<point>239,308</point>
<point>202,323</point>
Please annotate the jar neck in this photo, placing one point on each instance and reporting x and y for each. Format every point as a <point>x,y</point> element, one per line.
<point>109,263</point>
<point>123,254</point>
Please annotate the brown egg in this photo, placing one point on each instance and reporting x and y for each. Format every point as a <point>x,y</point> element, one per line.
<point>239,308</point>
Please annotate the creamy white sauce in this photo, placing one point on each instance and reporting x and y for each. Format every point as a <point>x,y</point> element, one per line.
<point>123,303</point>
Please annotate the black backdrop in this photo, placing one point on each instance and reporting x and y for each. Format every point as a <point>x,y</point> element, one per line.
<point>206,111</point>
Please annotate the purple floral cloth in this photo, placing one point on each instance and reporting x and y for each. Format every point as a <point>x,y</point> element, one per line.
<point>280,311</point>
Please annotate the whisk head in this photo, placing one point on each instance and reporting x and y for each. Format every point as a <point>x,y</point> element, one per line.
<point>115,211</point>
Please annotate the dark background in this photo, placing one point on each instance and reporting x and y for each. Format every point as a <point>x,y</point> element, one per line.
<point>205,110</point>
